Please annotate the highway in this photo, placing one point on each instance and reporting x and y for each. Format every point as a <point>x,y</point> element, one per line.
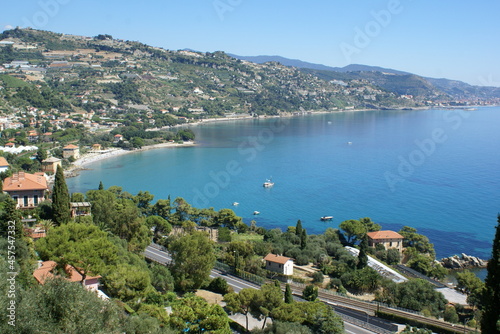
<point>156,254</point>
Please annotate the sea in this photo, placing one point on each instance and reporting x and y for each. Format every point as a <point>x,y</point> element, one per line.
<point>437,170</point>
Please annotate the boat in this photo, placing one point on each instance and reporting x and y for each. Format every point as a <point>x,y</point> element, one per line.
<point>268,183</point>
<point>325,218</point>
<point>256,212</point>
<point>235,203</point>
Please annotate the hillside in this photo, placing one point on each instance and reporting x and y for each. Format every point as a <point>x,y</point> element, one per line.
<point>119,79</point>
<point>390,79</point>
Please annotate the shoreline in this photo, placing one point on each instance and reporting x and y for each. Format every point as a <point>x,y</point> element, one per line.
<point>91,157</point>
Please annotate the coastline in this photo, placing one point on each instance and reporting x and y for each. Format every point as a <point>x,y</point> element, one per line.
<point>91,157</point>
<point>88,158</point>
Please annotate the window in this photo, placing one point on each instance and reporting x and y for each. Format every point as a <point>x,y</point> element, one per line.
<point>25,200</point>
<point>35,199</point>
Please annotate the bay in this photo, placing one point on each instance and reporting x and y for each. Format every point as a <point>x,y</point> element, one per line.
<point>435,170</point>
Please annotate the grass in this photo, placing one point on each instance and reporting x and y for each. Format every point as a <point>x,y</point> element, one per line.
<point>250,236</point>
<point>11,82</point>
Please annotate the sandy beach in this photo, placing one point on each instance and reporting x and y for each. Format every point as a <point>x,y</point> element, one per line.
<point>91,157</point>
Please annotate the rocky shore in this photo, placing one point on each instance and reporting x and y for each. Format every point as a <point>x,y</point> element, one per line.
<point>463,261</point>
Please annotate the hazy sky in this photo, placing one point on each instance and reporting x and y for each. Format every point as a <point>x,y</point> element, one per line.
<point>451,39</point>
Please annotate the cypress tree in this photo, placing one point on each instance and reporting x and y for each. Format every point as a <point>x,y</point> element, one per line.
<point>298,228</point>
<point>101,186</point>
<point>60,199</point>
<point>303,239</point>
<point>490,321</point>
<point>362,256</point>
<point>288,294</point>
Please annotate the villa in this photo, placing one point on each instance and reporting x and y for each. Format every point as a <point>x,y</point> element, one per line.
<point>389,239</point>
<point>28,190</point>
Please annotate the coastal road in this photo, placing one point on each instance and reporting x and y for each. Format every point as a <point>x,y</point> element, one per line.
<point>157,254</point>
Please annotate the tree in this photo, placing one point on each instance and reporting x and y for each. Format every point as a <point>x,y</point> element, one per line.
<point>319,317</point>
<point>370,225</point>
<point>60,199</point>
<point>227,218</point>
<point>418,241</point>
<point>41,154</point>
<point>83,246</point>
<point>363,256</point>
<point>310,293</point>
<point>193,257</point>
<point>101,186</point>
<point>241,302</point>
<point>127,282</point>
<point>414,294</point>
<point>450,314</point>
<point>194,315</point>
<point>353,229</point>
<point>269,298</point>
<point>60,306</point>
<point>470,284</point>
<point>303,239</point>
<point>298,228</point>
<point>142,200</point>
<point>137,142</point>
<point>288,294</point>
<point>490,321</point>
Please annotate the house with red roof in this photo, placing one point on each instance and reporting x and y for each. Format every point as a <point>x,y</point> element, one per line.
<point>71,151</point>
<point>389,239</point>
<point>26,189</point>
<point>4,165</point>
<point>279,264</point>
<point>46,271</point>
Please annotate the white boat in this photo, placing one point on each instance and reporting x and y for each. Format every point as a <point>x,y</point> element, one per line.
<point>256,212</point>
<point>235,203</point>
<point>268,183</point>
<point>325,218</point>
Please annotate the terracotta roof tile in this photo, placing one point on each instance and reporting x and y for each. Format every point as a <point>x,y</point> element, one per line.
<point>25,181</point>
<point>384,235</point>
<point>3,162</point>
<point>276,258</point>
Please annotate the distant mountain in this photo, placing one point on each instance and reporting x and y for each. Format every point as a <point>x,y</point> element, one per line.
<point>303,64</point>
<point>393,80</point>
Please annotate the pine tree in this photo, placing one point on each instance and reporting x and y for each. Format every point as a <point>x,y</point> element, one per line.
<point>101,186</point>
<point>490,322</point>
<point>288,294</point>
<point>362,256</point>
<point>60,199</point>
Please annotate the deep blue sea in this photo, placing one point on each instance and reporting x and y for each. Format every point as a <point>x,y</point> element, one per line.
<point>435,170</point>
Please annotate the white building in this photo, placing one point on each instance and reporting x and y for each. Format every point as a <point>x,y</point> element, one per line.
<point>279,264</point>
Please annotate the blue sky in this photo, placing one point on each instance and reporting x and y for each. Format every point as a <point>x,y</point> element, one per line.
<point>451,39</point>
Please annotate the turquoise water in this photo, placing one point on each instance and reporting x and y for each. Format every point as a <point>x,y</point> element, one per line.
<point>435,170</point>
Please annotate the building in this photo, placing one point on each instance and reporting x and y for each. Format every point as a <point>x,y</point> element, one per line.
<point>117,138</point>
<point>28,190</point>
<point>80,209</point>
<point>279,264</point>
<point>4,165</point>
<point>71,151</point>
<point>49,165</point>
<point>389,239</point>
<point>96,147</point>
<point>45,271</point>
